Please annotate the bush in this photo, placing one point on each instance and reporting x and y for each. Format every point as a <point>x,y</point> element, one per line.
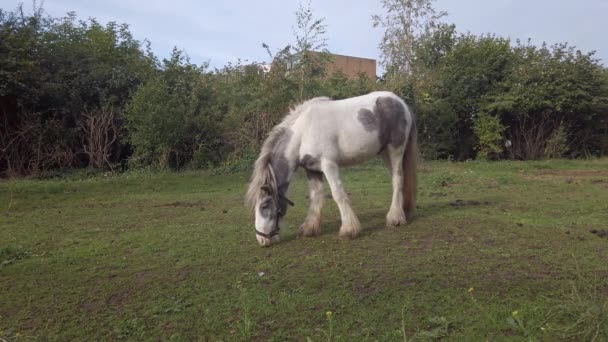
<point>557,145</point>
<point>489,133</point>
<point>55,73</point>
<point>169,117</point>
<point>437,129</point>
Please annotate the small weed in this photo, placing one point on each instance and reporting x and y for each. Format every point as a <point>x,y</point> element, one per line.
<point>177,305</point>
<point>330,323</point>
<point>329,334</point>
<point>133,328</point>
<point>516,322</point>
<point>403,332</point>
<point>11,254</point>
<point>10,199</point>
<point>246,324</point>
<point>479,307</point>
<point>438,328</point>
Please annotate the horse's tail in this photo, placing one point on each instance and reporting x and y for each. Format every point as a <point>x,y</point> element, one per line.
<point>410,157</point>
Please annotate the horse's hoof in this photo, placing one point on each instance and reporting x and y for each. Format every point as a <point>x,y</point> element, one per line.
<point>348,235</point>
<point>395,220</point>
<point>395,223</point>
<point>309,232</point>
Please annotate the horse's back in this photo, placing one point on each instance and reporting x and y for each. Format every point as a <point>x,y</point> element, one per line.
<point>346,131</point>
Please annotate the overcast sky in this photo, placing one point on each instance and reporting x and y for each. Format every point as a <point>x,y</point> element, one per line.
<point>218,31</point>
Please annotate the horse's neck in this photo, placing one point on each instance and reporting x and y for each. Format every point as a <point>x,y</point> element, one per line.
<point>283,170</point>
<point>283,157</point>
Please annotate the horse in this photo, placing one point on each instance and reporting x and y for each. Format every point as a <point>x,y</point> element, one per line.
<point>321,136</point>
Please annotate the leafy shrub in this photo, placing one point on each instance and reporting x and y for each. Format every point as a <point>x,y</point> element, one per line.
<point>489,133</point>
<point>557,145</point>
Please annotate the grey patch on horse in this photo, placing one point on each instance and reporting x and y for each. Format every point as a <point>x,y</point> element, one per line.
<point>391,114</point>
<point>283,202</point>
<point>267,208</point>
<point>314,175</point>
<point>368,119</point>
<point>309,162</point>
<point>280,166</point>
<point>278,160</point>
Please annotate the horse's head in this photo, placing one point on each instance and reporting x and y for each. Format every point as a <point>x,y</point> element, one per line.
<point>268,186</point>
<point>270,207</point>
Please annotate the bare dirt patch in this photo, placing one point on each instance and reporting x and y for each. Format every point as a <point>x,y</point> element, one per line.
<point>181,204</point>
<point>466,203</point>
<point>599,177</point>
<point>603,233</point>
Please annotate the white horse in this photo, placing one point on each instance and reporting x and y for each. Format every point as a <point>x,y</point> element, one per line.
<point>322,135</point>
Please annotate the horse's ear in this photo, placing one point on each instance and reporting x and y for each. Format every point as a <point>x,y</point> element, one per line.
<point>266,190</point>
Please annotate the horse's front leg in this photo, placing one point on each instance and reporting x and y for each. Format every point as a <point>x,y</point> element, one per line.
<point>350,223</point>
<point>312,224</point>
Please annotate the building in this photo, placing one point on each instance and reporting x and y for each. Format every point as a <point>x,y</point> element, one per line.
<point>352,66</point>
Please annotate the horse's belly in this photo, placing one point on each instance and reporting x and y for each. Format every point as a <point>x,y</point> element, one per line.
<point>356,149</point>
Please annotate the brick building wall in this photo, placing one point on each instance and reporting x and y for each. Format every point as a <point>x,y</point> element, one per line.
<point>352,66</point>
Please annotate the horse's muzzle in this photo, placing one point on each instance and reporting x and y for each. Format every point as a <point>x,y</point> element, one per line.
<point>267,242</point>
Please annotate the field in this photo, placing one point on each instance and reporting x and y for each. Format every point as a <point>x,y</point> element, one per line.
<point>496,251</point>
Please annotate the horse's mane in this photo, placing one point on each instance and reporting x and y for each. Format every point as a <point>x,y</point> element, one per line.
<point>262,173</point>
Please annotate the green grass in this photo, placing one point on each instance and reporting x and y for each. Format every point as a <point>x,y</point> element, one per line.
<point>165,256</point>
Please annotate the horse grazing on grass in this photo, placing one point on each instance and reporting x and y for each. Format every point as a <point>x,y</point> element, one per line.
<point>321,135</point>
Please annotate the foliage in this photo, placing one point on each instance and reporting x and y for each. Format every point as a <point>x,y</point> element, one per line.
<point>310,51</point>
<point>250,102</point>
<point>463,81</point>
<point>546,87</point>
<point>471,68</point>
<point>77,93</point>
<point>403,23</point>
<point>436,122</point>
<point>53,72</point>
<point>489,133</point>
<point>338,86</point>
<point>557,144</point>
<point>170,118</point>
<point>459,83</point>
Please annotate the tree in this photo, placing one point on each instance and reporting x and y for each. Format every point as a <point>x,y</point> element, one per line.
<point>436,119</point>
<point>546,88</point>
<point>489,133</point>
<point>310,50</point>
<point>170,119</point>
<point>473,68</point>
<point>54,74</point>
<point>404,22</point>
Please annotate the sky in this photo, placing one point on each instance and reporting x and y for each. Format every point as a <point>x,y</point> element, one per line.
<point>221,31</point>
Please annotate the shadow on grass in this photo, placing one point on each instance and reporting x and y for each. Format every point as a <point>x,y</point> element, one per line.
<point>374,220</point>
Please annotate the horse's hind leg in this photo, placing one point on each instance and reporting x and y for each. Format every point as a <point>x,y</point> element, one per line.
<point>312,224</point>
<point>393,158</point>
<point>350,223</point>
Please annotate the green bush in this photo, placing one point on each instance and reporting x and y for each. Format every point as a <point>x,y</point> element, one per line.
<point>557,145</point>
<point>169,118</point>
<point>489,133</point>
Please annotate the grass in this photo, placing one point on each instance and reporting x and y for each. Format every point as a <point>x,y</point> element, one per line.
<point>496,252</point>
